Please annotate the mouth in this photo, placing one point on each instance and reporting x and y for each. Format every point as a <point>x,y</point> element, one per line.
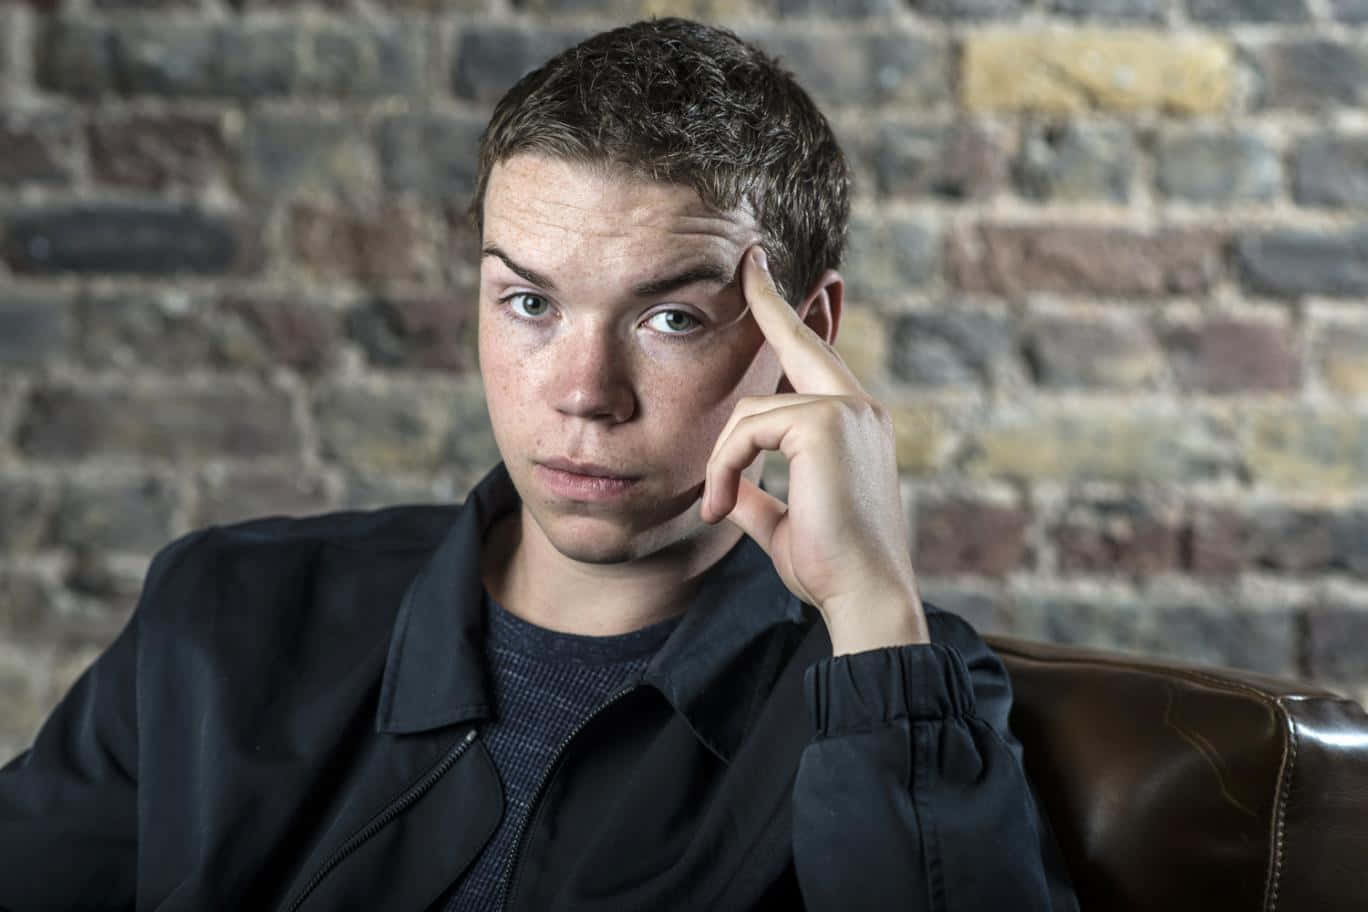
<point>583,481</point>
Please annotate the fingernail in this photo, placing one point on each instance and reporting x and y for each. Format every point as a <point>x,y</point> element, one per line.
<point>758,255</point>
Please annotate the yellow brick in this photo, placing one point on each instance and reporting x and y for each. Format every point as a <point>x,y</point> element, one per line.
<point>1305,451</point>
<point>923,435</point>
<point>863,344</point>
<point>1074,70</point>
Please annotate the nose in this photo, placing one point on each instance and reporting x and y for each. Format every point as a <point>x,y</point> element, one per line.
<point>593,377</point>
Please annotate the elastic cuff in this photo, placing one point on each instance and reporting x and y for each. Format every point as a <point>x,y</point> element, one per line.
<point>867,689</point>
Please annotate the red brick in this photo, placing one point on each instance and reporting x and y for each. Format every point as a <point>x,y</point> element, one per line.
<point>301,334</point>
<point>1084,259</point>
<point>1226,355</point>
<point>151,152</point>
<point>1121,536</point>
<point>959,535</point>
<point>383,245</point>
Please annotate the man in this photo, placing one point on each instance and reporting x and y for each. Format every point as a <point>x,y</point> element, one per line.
<point>622,675</point>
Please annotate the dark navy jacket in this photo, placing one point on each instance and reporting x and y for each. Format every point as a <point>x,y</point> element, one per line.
<point>291,721</point>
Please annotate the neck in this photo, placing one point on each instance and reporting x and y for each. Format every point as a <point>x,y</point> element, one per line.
<point>532,580</point>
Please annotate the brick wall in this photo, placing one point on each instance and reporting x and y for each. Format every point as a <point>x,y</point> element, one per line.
<point>1109,266</point>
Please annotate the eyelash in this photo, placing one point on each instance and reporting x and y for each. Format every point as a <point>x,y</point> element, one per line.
<point>511,310</point>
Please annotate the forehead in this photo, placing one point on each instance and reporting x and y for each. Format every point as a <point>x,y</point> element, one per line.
<point>563,210</point>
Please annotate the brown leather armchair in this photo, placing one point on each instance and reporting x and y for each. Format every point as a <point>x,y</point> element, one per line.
<point>1174,787</point>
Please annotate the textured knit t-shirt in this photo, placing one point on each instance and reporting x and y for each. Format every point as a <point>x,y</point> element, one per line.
<point>544,684</point>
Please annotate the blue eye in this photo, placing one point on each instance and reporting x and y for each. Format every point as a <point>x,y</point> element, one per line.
<point>673,322</point>
<point>528,306</point>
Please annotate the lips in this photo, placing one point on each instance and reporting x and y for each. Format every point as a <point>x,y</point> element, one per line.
<point>589,469</point>
<point>583,481</point>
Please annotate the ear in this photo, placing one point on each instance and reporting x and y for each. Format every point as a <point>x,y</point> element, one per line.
<point>821,311</point>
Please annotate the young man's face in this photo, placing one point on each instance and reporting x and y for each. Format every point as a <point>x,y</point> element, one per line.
<point>607,383</point>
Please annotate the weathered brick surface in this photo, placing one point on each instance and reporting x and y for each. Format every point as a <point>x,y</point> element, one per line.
<point>1311,73</point>
<point>888,66</point>
<point>165,424</point>
<point>154,152</point>
<point>1118,536</point>
<point>1106,270</point>
<point>1230,12</point>
<point>1068,162</point>
<point>1128,447</point>
<point>961,535</point>
<point>950,347</point>
<point>1070,71</point>
<point>960,161</point>
<point>1117,10</point>
<point>1331,171</point>
<point>1071,353</point>
<point>1341,354</point>
<point>1289,262</point>
<point>1211,167</point>
<point>1084,259</point>
<point>34,329</point>
<point>38,149</point>
<point>428,333</point>
<point>1227,355</point>
<point>122,238</point>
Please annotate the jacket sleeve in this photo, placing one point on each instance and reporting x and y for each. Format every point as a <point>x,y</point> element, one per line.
<point>913,795</point>
<point>68,805</point>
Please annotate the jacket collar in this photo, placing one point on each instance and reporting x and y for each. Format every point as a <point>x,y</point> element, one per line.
<point>715,668</point>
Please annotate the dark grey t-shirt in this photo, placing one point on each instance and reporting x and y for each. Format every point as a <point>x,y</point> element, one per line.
<point>544,685</point>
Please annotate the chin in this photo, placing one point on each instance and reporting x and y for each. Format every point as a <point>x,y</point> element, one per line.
<point>599,540</point>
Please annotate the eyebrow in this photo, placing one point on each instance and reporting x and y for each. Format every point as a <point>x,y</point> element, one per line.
<point>711,272</point>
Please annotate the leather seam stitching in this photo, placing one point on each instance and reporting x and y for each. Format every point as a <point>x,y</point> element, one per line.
<point>1280,817</point>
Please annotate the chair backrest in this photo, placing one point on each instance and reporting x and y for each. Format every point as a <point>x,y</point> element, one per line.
<point>1174,787</point>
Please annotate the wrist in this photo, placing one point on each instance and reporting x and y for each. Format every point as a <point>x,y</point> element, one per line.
<point>876,619</point>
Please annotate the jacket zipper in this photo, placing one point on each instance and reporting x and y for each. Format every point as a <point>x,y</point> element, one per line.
<point>511,868</point>
<point>397,807</point>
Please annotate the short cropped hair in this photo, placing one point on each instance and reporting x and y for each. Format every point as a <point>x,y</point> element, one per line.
<point>679,102</point>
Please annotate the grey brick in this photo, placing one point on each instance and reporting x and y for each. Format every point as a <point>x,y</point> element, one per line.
<point>1354,12</point>
<point>250,493</point>
<point>1226,12</point>
<point>1066,353</point>
<point>422,332</point>
<point>1291,262</point>
<point>1335,638</point>
<point>970,9</point>
<point>121,238</point>
<point>150,424</point>
<point>886,256</point>
<point>363,62</point>
<point>836,9</point>
<point>163,329</point>
<point>1119,10</point>
<point>405,431</point>
<point>282,151</point>
<point>488,60</point>
<point>135,515</point>
<point>1072,161</point>
<point>38,148</point>
<point>949,347</point>
<point>258,62</point>
<point>164,58</point>
<point>1331,171</point>
<point>77,58</point>
<point>1217,167</point>
<point>959,161</point>
<point>436,155</point>
<point>892,66</point>
<point>1311,73</point>
<point>33,329</point>
<point>27,507</point>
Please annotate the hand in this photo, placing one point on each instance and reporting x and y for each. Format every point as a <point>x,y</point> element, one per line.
<point>840,543</point>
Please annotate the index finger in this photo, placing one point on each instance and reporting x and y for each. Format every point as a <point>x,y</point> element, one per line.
<point>810,364</point>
